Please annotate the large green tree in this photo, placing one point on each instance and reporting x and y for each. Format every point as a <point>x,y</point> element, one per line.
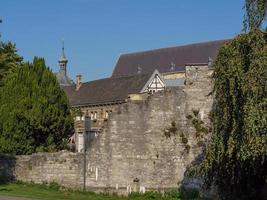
<point>236,159</point>
<point>9,59</point>
<point>35,113</point>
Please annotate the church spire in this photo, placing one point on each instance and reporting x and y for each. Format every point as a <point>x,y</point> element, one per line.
<point>63,53</point>
<point>63,61</point>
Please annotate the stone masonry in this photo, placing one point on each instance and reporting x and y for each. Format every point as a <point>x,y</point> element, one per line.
<point>145,145</point>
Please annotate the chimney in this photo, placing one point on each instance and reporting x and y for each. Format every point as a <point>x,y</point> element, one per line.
<point>78,81</point>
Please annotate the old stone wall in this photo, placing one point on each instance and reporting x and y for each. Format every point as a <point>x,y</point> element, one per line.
<point>154,141</point>
<point>145,145</point>
<point>63,167</point>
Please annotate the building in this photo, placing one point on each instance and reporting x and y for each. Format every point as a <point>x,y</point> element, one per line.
<point>99,98</point>
<point>170,62</point>
<point>134,78</point>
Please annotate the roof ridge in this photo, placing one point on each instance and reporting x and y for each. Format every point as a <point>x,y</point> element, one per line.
<point>117,77</point>
<point>171,47</point>
<point>125,76</point>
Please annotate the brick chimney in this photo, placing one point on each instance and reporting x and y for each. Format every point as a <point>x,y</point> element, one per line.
<point>78,81</point>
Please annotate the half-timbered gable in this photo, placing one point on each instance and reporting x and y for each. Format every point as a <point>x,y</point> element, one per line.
<point>154,84</point>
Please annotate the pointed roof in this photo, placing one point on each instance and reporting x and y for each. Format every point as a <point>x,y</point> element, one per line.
<point>167,59</point>
<point>62,76</point>
<point>62,58</point>
<point>63,79</point>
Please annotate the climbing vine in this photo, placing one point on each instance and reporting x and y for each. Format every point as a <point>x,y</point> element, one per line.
<point>201,129</point>
<point>173,130</point>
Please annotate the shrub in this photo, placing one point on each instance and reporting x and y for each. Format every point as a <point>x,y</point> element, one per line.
<point>189,193</point>
<point>187,148</point>
<point>184,140</point>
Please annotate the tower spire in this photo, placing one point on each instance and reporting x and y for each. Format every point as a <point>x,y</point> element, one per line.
<point>63,48</point>
<point>63,61</point>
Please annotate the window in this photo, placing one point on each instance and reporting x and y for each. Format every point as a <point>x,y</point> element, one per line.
<point>95,115</point>
<point>106,114</point>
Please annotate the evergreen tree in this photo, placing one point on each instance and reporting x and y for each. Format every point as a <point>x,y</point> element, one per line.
<point>9,59</point>
<point>35,113</point>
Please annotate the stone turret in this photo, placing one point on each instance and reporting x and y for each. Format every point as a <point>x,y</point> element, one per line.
<point>62,76</point>
<point>63,62</point>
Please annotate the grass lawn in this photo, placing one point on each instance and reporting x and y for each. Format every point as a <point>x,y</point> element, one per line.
<point>51,192</point>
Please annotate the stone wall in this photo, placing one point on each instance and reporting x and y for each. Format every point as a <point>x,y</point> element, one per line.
<point>145,145</point>
<point>141,141</point>
<point>173,75</point>
<point>63,167</point>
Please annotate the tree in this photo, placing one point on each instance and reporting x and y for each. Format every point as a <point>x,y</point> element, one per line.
<point>35,113</point>
<point>256,11</point>
<point>9,59</point>
<point>236,158</point>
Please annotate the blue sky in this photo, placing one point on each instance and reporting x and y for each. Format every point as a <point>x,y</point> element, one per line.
<point>96,32</point>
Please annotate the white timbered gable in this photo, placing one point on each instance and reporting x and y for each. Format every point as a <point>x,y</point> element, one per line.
<point>154,84</point>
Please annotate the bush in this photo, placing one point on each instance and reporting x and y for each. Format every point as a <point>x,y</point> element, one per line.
<point>184,140</point>
<point>53,186</point>
<point>189,193</point>
<point>187,148</point>
<point>169,195</point>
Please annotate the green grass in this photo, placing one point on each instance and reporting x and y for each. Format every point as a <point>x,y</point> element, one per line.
<point>52,192</point>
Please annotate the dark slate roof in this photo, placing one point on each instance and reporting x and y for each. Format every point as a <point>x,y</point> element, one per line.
<point>161,59</point>
<point>108,90</point>
<point>63,79</point>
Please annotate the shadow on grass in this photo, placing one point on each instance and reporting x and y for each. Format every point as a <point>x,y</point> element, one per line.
<point>5,190</point>
<point>7,167</point>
